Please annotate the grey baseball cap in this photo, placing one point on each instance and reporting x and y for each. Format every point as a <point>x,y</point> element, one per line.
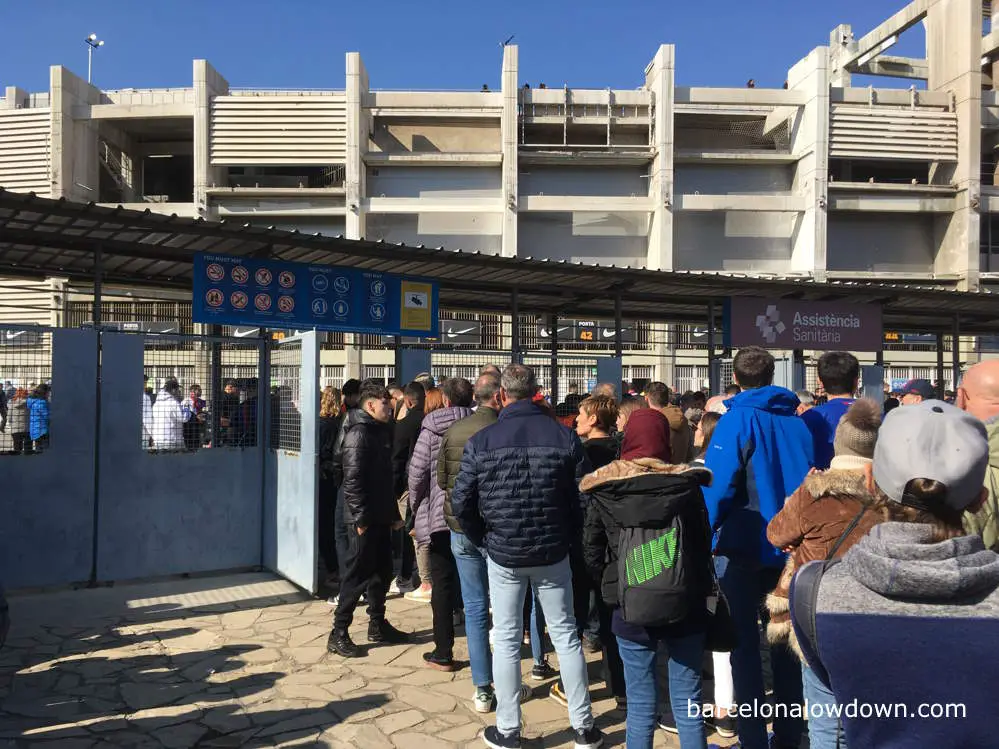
<point>932,440</point>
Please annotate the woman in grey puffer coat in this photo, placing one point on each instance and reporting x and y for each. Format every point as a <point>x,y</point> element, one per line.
<point>426,499</point>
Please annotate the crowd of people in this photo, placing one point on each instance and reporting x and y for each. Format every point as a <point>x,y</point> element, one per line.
<point>24,415</point>
<point>863,543</point>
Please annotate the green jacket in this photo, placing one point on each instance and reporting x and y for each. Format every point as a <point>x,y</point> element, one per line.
<point>985,522</point>
<point>452,448</point>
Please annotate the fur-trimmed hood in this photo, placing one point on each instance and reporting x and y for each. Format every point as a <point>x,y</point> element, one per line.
<point>840,483</point>
<point>645,492</point>
<point>623,470</point>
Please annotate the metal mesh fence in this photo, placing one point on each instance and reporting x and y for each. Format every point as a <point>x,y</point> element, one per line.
<point>200,392</point>
<point>25,389</point>
<point>285,394</point>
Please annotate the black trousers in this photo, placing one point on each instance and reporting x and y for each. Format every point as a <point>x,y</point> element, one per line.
<point>327,524</point>
<point>612,667</point>
<point>369,570</point>
<point>444,594</point>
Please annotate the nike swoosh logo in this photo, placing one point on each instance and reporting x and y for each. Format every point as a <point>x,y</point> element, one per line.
<point>247,333</point>
<point>545,333</point>
<point>454,333</point>
<point>609,333</point>
<point>12,334</point>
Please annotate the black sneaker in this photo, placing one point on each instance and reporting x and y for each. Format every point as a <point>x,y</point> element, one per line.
<point>385,632</point>
<point>725,727</point>
<point>341,644</point>
<point>439,662</point>
<point>589,738</point>
<point>496,740</point>
<point>668,723</point>
<point>543,671</point>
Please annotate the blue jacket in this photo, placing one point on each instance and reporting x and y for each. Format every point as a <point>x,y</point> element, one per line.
<point>759,455</point>
<point>822,422</point>
<point>517,489</point>
<point>38,417</point>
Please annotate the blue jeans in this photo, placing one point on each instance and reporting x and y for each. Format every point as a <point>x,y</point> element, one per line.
<point>746,587</point>
<point>824,730</point>
<point>474,580</point>
<point>538,653</point>
<point>507,590</point>
<point>685,656</point>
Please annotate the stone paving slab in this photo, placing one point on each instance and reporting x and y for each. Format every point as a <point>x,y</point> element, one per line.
<point>240,661</point>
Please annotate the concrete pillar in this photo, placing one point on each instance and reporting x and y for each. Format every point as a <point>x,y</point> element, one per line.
<point>659,81</point>
<point>953,43</point>
<point>207,85</point>
<point>15,98</point>
<point>840,40</point>
<point>357,145</point>
<point>810,137</point>
<point>356,182</point>
<point>74,162</point>
<point>508,127</point>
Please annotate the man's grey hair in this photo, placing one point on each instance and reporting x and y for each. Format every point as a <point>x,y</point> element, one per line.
<point>519,382</point>
<point>806,398</point>
<point>486,388</point>
<point>490,369</point>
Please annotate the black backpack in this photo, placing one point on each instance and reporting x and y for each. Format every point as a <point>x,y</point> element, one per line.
<point>654,576</point>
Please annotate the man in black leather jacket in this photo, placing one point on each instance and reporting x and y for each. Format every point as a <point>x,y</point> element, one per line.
<point>370,512</point>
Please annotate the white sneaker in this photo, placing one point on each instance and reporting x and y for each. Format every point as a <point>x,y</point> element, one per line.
<point>420,595</point>
<point>485,702</point>
<point>400,587</point>
<point>332,600</point>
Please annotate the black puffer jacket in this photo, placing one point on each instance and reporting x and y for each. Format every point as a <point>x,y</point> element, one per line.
<point>368,494</point>
<point>350,418</point>
<point>647,493</point>
<point>517,491</point>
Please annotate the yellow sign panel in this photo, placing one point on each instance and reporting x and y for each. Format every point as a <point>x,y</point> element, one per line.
<point>417,307</point>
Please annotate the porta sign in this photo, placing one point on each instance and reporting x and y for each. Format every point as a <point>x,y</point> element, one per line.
<point>791,324</point>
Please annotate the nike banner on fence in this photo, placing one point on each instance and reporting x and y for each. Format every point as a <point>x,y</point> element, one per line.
<point>453,332</point>
<point>596,332</point>
<point>792,324</point>
<point>26,336</point>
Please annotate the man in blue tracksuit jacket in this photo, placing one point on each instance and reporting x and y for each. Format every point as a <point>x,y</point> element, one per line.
<point>760,453</point>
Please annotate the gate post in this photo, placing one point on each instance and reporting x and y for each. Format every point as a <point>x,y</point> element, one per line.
<point>553,385</point>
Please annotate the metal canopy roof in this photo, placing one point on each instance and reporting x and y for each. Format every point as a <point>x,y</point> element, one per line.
<point>45,237</point>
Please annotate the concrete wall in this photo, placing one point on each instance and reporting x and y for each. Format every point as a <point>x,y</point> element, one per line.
<point>75,165</point>
<point>47,500</point>
<point>585,236</point>
<point>433,182</point>
<point>598,181</point>
<point>466,230</point>
<point>466,136</point>
<point>880,242</point>
<point>732,180</point>
<point>757,241</point>
<point>170,513</point>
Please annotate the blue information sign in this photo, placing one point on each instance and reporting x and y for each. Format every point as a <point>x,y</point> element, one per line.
<point>277,294</point>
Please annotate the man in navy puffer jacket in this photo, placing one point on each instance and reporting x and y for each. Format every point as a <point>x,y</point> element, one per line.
<point>517,495</point>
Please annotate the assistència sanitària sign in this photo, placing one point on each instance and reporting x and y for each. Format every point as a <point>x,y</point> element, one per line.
<point>793,324</point>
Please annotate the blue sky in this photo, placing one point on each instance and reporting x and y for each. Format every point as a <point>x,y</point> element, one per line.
<point>428,45</point>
